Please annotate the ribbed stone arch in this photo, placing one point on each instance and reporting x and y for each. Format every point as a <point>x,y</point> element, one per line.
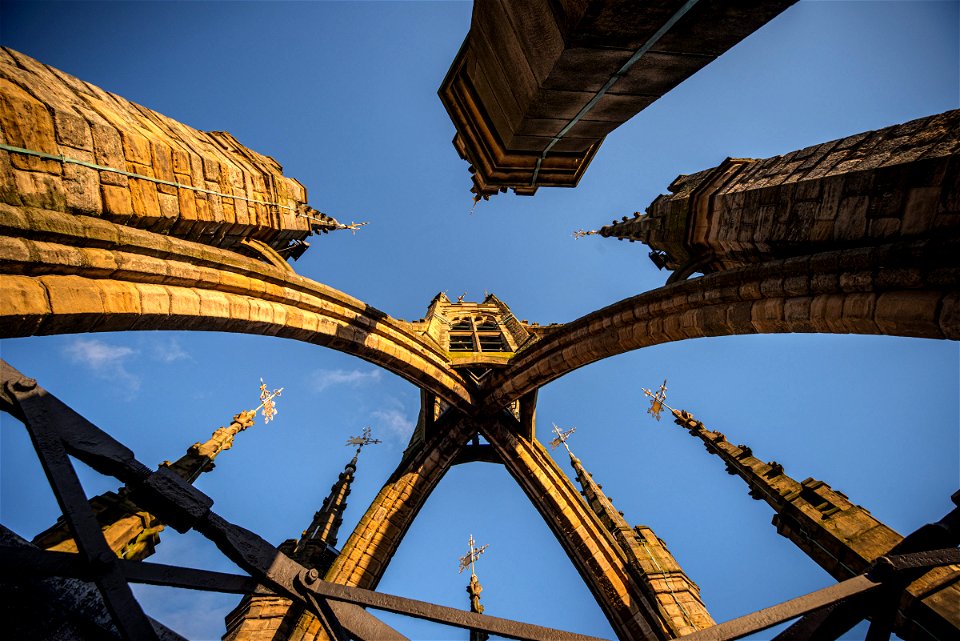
<point>905,289</point>
<point>65,274</point>
<point>365,555</point>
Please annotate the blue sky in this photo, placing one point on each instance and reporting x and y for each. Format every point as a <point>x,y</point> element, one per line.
<point>343,95</point>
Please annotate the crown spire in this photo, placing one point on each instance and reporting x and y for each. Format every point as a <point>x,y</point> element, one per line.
<point>316,546</point>
<point>132,532</point>
<point>677,597</point>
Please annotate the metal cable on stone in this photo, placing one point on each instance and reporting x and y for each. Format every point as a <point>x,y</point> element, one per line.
<point>73,161</point>
<point>613,79</point>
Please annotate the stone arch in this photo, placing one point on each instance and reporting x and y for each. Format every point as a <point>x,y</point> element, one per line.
<point>905,289</point>
<point>64,274</point>
<point>593,552</point>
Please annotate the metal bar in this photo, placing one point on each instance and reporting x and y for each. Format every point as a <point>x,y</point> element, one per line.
<point>192,578</point>
<point>18,561</point>
<point>329,621</point>
<point>768,617</point>
<point>126,612</point>
<point>79,437</point>
<point>23,398</point>
<point>826,624</point>
<point>362,625</point>
<point>442,614</point>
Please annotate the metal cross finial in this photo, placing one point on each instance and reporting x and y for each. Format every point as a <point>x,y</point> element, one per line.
<point>353,227</point>
<point>657,400</point>
<point>363,439</point>
<point>580,233</point>
<point>460,297</point>
<point>562,437</point>
<point>266,402</point>
<point>470,558</point>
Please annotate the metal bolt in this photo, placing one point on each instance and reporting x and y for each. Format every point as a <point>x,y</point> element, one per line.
<point>311,576</point>
<point>104,559</point>
<point>25,384</point>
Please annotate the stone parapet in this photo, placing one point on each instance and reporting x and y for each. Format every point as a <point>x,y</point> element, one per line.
<point>862,190</point>
<point>102,155</point>
<point>533,76</point>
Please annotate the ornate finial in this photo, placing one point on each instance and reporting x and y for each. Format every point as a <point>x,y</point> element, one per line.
<point>470,558</point>
<point>460,297</point>
<point>266,402</point>
<point>657,401</point>
<point>580,233</point>
<point>327,222</point>
<point>363,439</point>
<point>353,227</point>
<point>562,437</point>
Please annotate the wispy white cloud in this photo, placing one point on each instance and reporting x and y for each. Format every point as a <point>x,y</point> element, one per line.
<point>395,421</point>
<point>324,378</point>
<point>168,350</point>
<point>108,362</point>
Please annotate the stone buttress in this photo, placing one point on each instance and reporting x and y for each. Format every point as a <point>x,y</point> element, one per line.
<point>843,538</point>
<point>897,183</point>
<point>677,598</point>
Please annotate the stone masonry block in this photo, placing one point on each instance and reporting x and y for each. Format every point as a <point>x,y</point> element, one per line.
<point>858,281</point>
<point>22,296</point>
<point>140,268</point>
<point>826,312</point>
<point>27,124</point>
<point>136,147</point>
<point>154,299</point>
<point>117,203</point>
<point>119,298</point>
<point>72,296</point>
<point>950,316</point>
<point>858,313</point>
<point>796,314</point>
<point>72,130</point>
<point>920,210</point>
<point>909,314</point>
<point>16,254</point>
<point>41,190</point>
<point>98,263</point>
<point>767,315</point>
<point>213,303</point>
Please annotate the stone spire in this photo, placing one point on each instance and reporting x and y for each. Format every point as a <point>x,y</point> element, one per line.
<point>842,537</point>
<point>316,547</point>
<point>676,596</point>
<point>265,618</point>
<point>132,532</point>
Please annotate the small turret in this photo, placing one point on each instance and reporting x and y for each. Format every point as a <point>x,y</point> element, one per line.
<point>676,596</point>
<point>265,618</point>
